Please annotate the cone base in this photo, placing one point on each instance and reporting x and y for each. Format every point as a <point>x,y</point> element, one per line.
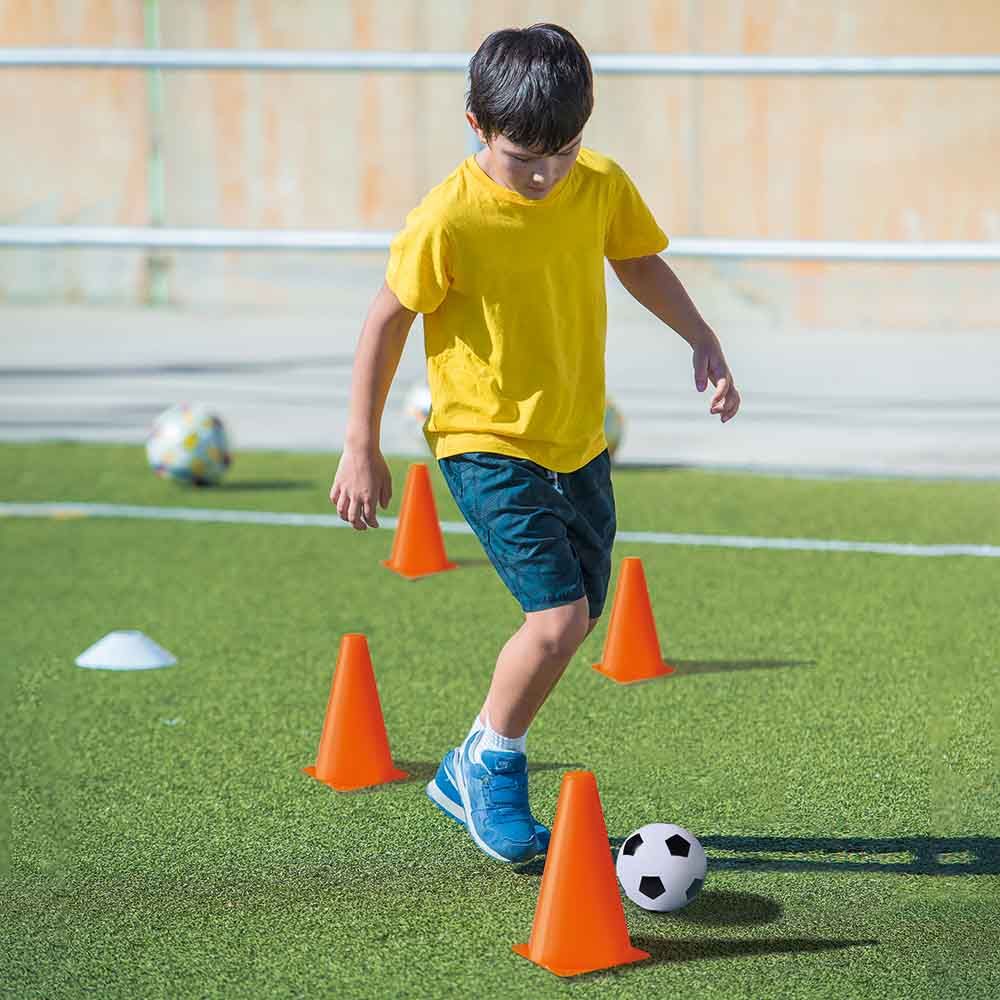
<point>630,955</point>
<point>417,576</point>
<point>394,775</point>
<point>662,671</point>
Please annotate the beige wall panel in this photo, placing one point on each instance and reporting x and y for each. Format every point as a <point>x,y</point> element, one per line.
<point>839,158</point>
<point>857,158</point>
<point>848,28</point>
<point>72,148</point>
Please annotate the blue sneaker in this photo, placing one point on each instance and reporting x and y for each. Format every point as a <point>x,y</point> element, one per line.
<point>442,791</point>
<point>494,794</point>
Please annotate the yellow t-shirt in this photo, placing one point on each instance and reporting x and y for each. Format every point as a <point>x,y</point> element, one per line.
<point>515,314</point>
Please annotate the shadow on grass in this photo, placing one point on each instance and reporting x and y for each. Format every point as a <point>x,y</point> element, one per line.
<point>902,855</point>
<point>898,855</point>
<point>664,950</point>
<point>717,909</point>
<point>686,667</point>
<point>471,562</point>
<point>728,909</point>
<point>250,485</point>
<point>620,466</point>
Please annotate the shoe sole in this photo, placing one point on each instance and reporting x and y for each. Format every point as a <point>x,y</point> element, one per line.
<point>444,803</point>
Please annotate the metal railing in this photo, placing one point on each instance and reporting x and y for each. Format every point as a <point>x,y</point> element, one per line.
<point>438,62</point>
<point>192,238</point>
<point>429,62</point>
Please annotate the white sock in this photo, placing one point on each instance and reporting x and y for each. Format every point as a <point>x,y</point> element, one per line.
<point>476,726</point>
<point>492,740</point>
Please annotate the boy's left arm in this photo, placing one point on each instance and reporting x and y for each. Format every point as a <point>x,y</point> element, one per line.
<point>651,282</point>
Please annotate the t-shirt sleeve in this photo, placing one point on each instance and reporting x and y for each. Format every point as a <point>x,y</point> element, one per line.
<point>419,269</point>
<point>631,230</point>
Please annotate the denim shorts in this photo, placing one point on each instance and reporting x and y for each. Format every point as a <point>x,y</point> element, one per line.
<point>548,534</point>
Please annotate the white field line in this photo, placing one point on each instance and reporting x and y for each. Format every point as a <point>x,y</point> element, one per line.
<point>66,511</point>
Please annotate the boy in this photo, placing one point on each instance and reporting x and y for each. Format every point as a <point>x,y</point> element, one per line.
<point>505,259</point>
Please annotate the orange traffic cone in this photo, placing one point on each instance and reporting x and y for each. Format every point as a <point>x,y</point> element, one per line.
<point>354,749</point>
<point>632,650</point>
<point>418,546</point>
<point>579,920</point>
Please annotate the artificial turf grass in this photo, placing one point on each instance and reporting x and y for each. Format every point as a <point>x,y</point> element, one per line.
<point>167,844</point>
<point>648,499</point>
<point>204,840</point>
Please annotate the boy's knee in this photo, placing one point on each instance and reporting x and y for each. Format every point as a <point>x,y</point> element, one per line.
<point>561,630</point>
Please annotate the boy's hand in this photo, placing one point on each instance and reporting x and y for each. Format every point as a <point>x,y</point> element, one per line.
<point>710,365</point>
<point>362,481</point>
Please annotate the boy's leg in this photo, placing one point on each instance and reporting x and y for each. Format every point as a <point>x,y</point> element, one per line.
<point>488,772</point>
<point>485,779</point>
<point>554,679</point>
<point>530,664</point>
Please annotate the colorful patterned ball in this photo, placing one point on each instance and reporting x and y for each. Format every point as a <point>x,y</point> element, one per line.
<point>614,427</point>
<point>416,410</point>
<point>188,443</point>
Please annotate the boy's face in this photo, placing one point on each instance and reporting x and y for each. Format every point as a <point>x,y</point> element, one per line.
<point>523,170</point>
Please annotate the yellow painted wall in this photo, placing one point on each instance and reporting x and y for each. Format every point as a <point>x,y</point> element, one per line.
<point>861,158</point>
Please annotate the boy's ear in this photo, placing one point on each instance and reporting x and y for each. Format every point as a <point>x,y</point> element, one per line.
<point>471,119</point>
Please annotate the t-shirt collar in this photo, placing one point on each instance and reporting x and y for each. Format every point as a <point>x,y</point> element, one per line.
<point>506,194</point>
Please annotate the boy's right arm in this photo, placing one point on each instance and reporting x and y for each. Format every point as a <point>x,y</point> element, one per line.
<point>362,479</point>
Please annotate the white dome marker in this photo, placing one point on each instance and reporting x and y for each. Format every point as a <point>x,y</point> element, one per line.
<point>125,650</point>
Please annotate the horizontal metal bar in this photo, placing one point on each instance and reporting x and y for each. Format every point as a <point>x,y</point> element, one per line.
<point>432,62</point>
<point>192,238</point>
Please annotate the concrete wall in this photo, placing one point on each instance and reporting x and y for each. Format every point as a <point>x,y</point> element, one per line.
<point>864,158</point>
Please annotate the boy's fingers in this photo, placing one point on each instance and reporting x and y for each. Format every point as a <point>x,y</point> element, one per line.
<point>355,514</point>
<point>732,405</point>
<point>720,392</point>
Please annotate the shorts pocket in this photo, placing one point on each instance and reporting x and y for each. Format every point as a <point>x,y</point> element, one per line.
<point>452,472</point>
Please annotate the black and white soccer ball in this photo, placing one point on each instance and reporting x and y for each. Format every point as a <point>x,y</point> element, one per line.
<point>661,867</point>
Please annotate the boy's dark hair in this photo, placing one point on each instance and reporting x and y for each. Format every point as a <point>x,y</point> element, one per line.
<point>534,86</point>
